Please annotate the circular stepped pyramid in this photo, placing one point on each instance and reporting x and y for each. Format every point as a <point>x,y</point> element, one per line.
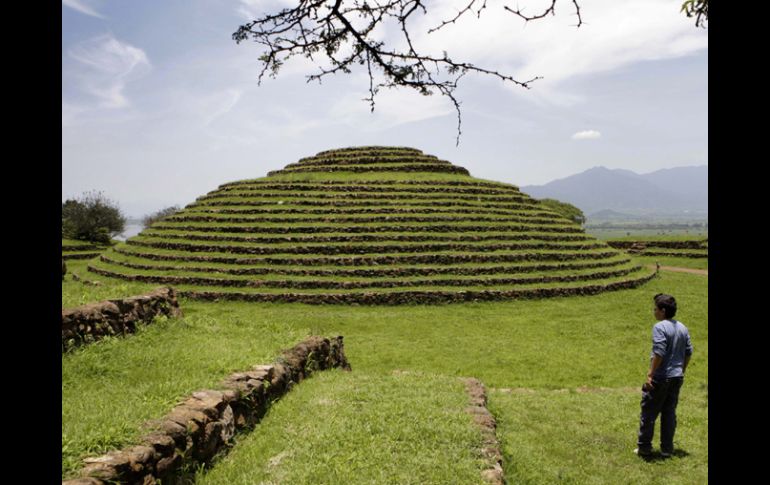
<point>370,225</point>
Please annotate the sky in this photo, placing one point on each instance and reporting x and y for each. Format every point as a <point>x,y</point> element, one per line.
<point>160,105</point>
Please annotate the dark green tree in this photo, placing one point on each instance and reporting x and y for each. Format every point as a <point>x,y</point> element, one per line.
<point>92,217</point>
<point>698,9</point>
<point>565,209</point>
<point>150,219</point>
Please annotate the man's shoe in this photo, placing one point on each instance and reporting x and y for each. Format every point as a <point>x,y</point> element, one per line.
<point>666,454</point>
<point>643,452</point>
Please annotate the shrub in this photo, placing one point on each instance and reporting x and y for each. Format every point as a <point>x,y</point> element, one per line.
<point>156,216</point>
<point>567,210</point>
<point>92,217</point>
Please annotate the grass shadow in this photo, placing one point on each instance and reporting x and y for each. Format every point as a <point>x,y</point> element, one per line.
<point>657,456</point>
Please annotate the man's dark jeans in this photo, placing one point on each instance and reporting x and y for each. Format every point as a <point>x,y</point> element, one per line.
<point>661,399</point>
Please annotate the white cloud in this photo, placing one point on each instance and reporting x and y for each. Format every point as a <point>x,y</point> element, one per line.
<point>105,66</point>
<point>586,135</point>
<point>251,9</point>
<point>82,6</point>
<point>393,107</point>
<point>614,34</point>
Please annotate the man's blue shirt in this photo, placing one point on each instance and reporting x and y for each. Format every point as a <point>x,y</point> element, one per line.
<point>671,341</point>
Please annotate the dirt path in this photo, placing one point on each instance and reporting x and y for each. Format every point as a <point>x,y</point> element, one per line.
<point>681,270</point>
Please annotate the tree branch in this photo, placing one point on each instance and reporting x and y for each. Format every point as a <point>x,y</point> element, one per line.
<point>343,32</point>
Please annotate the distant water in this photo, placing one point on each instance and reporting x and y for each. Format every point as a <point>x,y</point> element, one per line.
<point>132,229</point>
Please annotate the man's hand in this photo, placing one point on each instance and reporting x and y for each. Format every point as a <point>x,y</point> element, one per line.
<point>648,385</point>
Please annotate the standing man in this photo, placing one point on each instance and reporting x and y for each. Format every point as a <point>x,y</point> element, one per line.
<point>671,351</point>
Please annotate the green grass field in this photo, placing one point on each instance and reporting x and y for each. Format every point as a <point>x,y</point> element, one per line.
<point>545,351</point>
<point>563,374</point>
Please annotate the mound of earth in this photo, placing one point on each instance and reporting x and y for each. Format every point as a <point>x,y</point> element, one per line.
<point>375,225</point>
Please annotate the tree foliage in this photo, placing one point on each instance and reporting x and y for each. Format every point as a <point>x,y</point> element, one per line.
<point>565,209</point>
<point>698,9</point>
<point>150,219</point>
<point>92,217</point>
<point>339,35</point>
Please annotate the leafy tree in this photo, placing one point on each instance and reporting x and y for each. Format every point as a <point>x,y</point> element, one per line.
<point>565,209</point>
<point>92,217</point>
<point>698,9</point>
<point>161,214</point>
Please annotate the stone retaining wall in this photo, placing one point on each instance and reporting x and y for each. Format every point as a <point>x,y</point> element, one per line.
<point>550,219</point>
<point>432,183</point>
<point>115,317</point>
<point>567,229</point>
<point>374,273</point>
<point>435,167</point>
<point>368,238</point>
<point>292,189</point>
<point>404,194</point>
<point>367,160</point>
<point>658,244</point>
<point>678,255</point>
<point>415,297</point>
<point>350,285</point>
<point>378,260</point>
<point>374,204</point>
<point>204,424</point>
<point>367,248</point>
<point>79,255</point>
<point>374,210</point>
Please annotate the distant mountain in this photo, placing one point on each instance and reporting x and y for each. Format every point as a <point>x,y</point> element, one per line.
<point>663,192</point>
<point>609,215</point>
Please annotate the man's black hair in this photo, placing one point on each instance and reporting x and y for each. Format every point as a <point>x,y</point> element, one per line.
<point>667,303</point>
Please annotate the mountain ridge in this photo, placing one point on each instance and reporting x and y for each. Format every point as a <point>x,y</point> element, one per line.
<point>666,191</point>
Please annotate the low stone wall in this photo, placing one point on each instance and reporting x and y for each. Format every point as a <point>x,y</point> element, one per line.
<point>115,317</point>
<point>641,245</point>
<point>203,424</point>
<point>678,255</point>
<point>491,452</point>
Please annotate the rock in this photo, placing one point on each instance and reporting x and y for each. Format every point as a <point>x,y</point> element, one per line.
<point>141,458</point>
<point>112,466</point>
<point>163,444</point>
<point>167,465</point>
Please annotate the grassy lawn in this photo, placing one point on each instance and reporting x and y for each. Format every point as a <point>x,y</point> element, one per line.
<point>587,436</point>
<point>357,427</point>
<point>693,263</point>
<point>545,346</point>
